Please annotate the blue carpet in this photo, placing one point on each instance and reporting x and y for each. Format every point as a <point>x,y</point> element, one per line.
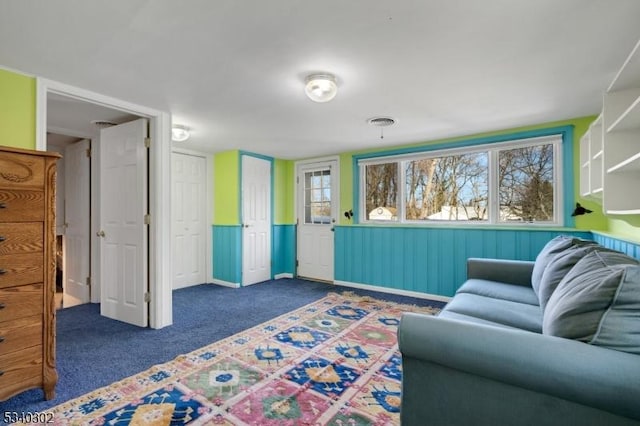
<point>93,351</point>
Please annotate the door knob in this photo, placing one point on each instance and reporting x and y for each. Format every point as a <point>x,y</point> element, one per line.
<point>100,233</point>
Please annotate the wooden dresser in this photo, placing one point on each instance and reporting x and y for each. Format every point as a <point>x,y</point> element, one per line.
<point>27,271</point>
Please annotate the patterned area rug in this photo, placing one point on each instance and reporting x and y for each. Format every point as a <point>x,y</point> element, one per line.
<point>332,362</point>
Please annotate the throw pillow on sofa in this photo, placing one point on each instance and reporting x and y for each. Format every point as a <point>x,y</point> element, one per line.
<point>598,302</point>
<point>560,265</point>
<point>548,252</point>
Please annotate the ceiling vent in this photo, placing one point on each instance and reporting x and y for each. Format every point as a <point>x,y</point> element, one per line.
<point>381,122</point>
<point>101,124</point>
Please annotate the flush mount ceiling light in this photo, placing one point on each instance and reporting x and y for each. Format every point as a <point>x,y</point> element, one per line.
<point>180,133</point>
<point>381,122</point>
<point>321,87</point>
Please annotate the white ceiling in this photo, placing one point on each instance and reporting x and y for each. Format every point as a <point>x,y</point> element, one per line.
<point>233,70</point>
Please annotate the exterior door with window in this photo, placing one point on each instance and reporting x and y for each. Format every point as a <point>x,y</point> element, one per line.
<point>317,212</point>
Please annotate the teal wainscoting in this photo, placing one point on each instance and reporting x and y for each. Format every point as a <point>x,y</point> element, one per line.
<point>227,253</point>
<point>428,260</point>
<point>284,250</point>
<point>628,247</point>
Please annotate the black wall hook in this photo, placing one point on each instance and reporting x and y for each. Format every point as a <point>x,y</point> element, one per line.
<point>580,210</point>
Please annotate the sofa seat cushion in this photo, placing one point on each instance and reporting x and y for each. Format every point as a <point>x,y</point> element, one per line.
<point>514,314</point>
<point>498,290</point>
<point>598,302</point>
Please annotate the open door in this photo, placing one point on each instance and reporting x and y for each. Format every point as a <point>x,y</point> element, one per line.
<point>77,223</point>
<point>123,208</point>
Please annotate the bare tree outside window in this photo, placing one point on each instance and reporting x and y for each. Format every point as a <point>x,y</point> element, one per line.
<point>526,184</point>
<point>381,183</point>
<point>450,188</point>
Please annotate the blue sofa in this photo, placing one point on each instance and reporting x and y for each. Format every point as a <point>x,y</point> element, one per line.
<point>550,342</point>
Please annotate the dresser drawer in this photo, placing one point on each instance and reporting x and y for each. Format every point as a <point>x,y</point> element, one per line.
<point>20,334</point>
<point>20,370</point>
<point>21,302</point>
<point>21,206</point>
<point>21,170</point>
<point>18,269</point>
<point>16,237</point>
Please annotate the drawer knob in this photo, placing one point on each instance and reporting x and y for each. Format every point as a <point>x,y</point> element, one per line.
<point>3,271</point>
<point>1,305</point>
<point>1,372</point>
<point>3,205</point>
<point>2,238</point>
<point>1,339</point>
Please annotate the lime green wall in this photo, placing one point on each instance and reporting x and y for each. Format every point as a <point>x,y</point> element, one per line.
<point>283,191</point>
<point>226,187</point>
<point>17,110</point>
<point>595,220</point>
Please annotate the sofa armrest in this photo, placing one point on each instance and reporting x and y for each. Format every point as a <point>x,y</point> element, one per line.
<point>589,375</point>
<point>501,270</point>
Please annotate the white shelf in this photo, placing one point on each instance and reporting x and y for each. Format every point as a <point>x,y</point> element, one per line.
<point>623,212</point>
<point>629,119</point>
<point>631,164</point>
<point>629,75</point>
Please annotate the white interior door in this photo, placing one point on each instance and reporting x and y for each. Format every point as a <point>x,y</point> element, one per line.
<point>317,212</point>
<point>123,206</point>
<point>77,224</point>
<point>256,220</point>
<point>188,219</point>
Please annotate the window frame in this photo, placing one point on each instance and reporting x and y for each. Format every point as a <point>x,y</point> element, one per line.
<point>560,138</point>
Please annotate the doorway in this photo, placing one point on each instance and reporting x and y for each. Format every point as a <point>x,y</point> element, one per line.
<point>159,247</point>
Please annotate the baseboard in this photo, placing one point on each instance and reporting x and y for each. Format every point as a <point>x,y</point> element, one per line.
<point>283,275</point>
<point>397,291</point>
<point>226,283</point>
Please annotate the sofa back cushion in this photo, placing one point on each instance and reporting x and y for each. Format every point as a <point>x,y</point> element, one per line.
<point>548,252</point>
<point>560,265</point>
<point>598,302</point>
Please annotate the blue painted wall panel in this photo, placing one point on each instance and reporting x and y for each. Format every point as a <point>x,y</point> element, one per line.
<point>428,260</point>
<point>227,253</point>
<point>628,247</point>
<point>284,249</point>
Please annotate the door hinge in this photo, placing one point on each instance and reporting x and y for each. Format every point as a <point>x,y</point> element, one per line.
<point>296,262</point>
<point>88,152</point>
<point>147,142</point>
<point>147,297</point>
<point>297,179</point>
<point>88,280</point>
<point>147,219</point>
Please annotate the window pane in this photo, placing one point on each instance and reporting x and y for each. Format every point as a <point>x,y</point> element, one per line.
<point>447,188</point>
<point>317,193</point>
<point>381,186</point>
<point>526,184</point>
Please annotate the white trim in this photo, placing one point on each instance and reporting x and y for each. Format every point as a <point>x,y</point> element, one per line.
<point>226,283</point>
<point>283,275</point>
<point>399,292</point>
<point>160,286</point>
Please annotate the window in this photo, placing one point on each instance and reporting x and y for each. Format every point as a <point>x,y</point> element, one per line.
<point>317,197</point>
<point>507,182</point>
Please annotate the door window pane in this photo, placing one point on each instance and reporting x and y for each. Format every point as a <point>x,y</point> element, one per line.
<point>317,197</point>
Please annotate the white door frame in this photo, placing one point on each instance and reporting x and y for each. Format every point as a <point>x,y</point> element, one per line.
<point>160,308</point>
<point>335,195</point>
<point>209,202</point>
